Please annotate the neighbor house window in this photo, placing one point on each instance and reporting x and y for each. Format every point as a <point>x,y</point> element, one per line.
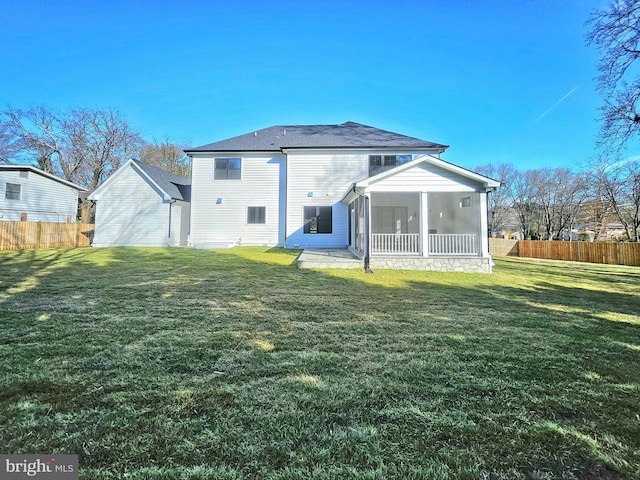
<point>381,163</point>
<point>256,214</point>
<point>227,169</point>
<point>12,192</point>
<point>317,220</point>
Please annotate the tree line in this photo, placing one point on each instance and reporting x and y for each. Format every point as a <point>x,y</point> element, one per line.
<point>548,203</point>
<point>82,145</point>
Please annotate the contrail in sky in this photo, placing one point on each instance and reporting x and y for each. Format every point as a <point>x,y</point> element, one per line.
<point>557,103</point>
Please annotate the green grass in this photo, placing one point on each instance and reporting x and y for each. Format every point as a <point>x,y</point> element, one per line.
<point>186,364</point>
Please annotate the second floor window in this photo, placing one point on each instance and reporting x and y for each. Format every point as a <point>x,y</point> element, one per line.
<point>227,169</point>
<point>382,163</point>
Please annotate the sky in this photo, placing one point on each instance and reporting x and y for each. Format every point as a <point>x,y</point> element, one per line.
<point>504,81</point>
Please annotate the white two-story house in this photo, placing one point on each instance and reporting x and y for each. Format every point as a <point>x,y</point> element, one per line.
<point>387,197</point>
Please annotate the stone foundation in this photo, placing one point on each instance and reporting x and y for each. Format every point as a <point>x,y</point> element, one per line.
<point>436,264</point>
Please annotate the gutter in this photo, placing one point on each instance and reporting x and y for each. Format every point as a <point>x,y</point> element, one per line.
<point>171,202</point>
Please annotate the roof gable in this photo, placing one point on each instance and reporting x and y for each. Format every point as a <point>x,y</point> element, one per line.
<point>345,135</point>
<point>431,160</point>
<point>173,187</point>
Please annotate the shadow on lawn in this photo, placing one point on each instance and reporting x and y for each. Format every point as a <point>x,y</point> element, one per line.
<point>248,303</point>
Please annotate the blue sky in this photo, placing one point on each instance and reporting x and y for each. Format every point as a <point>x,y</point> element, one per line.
<point>499,81</point>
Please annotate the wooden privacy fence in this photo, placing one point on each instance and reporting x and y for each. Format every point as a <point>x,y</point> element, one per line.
<point>27,235</point>
<point>611,253</point>
<point>503,247</point>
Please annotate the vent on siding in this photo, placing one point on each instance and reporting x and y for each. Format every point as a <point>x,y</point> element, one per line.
<point>24,174</point>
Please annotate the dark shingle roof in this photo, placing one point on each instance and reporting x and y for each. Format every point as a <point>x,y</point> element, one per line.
<point>345,135</point>
<point>179,188</point>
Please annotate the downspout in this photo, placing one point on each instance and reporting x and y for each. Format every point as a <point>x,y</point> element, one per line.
<point>171,202</point>
<point>367,268</point>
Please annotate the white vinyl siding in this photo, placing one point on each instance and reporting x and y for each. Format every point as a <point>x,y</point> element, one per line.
<point>132,212</point>
<point>180,217</point>
<point>423,178</point>
<point>41,198</point>
<point>326,176</point>
<point>219,208</point>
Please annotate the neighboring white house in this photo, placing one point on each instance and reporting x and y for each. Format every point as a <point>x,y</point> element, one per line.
<point>30,194</point>
<point>387,197</point>
<point>141,205</point>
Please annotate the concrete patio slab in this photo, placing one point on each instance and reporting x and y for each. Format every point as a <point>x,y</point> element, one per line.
<point>329,258</point>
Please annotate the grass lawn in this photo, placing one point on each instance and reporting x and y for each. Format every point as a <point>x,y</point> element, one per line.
<point>187,364</point>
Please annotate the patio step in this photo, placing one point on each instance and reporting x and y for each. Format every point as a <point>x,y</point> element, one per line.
<point>328,258</point>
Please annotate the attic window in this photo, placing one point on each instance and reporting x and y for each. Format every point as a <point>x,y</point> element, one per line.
<point>382,163</point>
<point>24,173</point>
<point>227,169</point>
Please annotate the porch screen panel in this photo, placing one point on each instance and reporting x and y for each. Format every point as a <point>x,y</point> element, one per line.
<point>395,223</point>
<point>454,223</point>
<point>454,212</point>
<point>358,206</point>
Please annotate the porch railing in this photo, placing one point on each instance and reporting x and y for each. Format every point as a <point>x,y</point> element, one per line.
<point>395,243</point>
<point>453,244</point>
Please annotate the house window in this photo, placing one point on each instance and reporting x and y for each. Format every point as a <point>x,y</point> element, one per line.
<point>317,220</point>
<point>227,169</point>
<point>256,215</point>
<point>381,163</point>
<point>12,192</point>
<point>465,202</point>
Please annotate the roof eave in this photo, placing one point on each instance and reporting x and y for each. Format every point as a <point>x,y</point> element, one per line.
<point>391,148</point>
<point>44,174</point>
<point>228,151</point>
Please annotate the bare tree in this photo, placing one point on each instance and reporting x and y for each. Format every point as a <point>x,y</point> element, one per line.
<point>524,200</point>
<point>99,141</point>
<point>615,31</point>
<point>84,146</point>
<point>6,143</point>
<point>560,195</point>
<point>498,201</point>
<point>620,185</point>
<point>35,133</point>
<point>166,155</point>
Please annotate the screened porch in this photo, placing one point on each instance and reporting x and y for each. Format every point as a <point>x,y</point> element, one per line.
<point>418,224</point>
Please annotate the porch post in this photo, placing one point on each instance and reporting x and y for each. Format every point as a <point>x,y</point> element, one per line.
<point>484,225</point>
<point>367,235</point>
<point>424,224</point>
